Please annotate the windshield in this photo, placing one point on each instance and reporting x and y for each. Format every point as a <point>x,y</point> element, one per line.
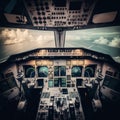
<point>105,40</point>
<point>13,41</point>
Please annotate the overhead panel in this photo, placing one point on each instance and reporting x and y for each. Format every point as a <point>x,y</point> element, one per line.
<point>59,15</point>
<point>63,13</point>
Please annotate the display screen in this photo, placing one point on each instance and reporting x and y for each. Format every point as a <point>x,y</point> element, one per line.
<point>42,71</point>
<point>50,83</point>
<point>63,82</point>
<point>79,82</point>
<point>56,82</point>
<point>90,71</point>
<point>40,82</point>
<point>29,71</point>
<point>59,71</point>
<point>77,71</point>
<point>60,82</point>
<point>65,91</point>
<point>112,83</point>
<point>56,71</point>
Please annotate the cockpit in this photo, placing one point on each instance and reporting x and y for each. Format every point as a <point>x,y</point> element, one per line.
<point>59,83</point>
<point>70,81</point>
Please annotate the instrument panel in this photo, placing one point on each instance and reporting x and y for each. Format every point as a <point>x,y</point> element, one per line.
<point>59,68</point>
<point>59,73</point>
<point>52,13</point>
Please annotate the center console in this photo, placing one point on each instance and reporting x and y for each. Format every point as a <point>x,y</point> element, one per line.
<point>60,103</point>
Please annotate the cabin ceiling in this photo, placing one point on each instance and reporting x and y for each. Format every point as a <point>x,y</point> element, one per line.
<point>59,14</point>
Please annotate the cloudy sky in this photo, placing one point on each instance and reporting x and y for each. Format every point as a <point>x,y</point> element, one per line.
<point>105,40</point>
<point>15,36</point>
<point>109,36</point>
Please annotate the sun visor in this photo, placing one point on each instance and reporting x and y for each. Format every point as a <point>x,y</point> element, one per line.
<point>104,17</point>
<point>15,18</point>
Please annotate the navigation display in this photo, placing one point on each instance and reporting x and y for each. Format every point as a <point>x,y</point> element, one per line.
<point>90,71</point>
<point>60,82</point>
<point>59,71</point>
<point>76,71</point>
<point>29,71</point>
<point>42,71</point>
